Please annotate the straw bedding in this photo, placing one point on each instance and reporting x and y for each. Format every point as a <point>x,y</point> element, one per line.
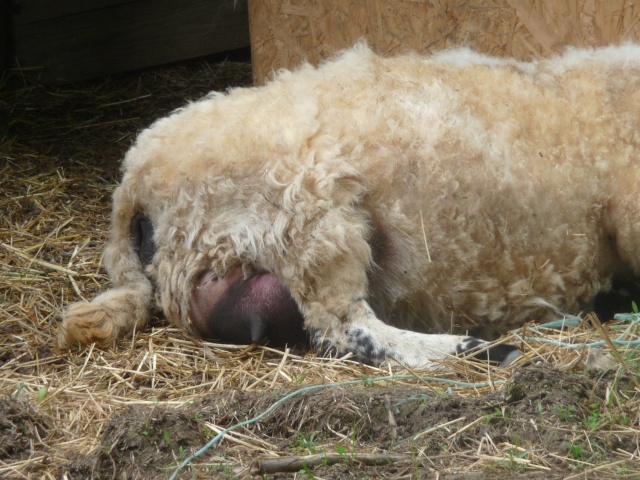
<point>142,408</point>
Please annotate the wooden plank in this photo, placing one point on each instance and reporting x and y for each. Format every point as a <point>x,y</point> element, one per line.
<point>31,11</point>
<point>4,35</point>
<point>130,35</point>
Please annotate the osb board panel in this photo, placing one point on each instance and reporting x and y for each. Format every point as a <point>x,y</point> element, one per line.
<point>283,34</point>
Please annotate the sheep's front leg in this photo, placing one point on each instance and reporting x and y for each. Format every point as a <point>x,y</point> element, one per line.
<point>340,320</point>
<point>375,343</point>
<point>127,305</point>
<point>325,269</point>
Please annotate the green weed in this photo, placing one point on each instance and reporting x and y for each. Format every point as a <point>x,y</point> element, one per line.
<point>367,381</point>
<point>567,413</point>
<point>298,379</point>
<point>307,472</point>
<point>513,454</point>
<point>304,442</point>
<point>594,420</point>
<point>576,451</point>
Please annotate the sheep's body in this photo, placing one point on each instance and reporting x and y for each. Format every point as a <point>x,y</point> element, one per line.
<point>457,189</point>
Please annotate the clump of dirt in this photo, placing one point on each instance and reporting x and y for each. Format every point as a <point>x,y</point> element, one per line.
<point>144,442</point>
<point>20,427</point>
<point>546,384</point>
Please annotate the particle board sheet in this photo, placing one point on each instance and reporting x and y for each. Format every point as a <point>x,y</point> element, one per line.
<point>284,34</point>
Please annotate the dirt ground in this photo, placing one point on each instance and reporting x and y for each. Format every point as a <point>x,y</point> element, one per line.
<point>143,408</point>
<point>526,420</point>
<point>541,423</point>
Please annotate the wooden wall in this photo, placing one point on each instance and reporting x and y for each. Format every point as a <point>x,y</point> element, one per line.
<point>68,40</point>
<point>4,34</point>
<point>286,32</point>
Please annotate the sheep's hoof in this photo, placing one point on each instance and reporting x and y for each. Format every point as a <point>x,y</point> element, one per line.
<point>500,354</point>
<point>511,357</point>
<point>84,324</point>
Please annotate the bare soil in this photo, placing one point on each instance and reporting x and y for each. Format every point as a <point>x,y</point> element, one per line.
<point>540,416</point>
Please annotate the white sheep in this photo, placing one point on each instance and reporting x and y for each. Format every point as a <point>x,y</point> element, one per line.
<point>383,198</point>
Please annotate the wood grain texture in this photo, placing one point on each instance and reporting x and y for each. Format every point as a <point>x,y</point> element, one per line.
<point>283,34</point>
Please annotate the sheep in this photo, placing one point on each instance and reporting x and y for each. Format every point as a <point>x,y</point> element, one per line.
<point>395,207</point>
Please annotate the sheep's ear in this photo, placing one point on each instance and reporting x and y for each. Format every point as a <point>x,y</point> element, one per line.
<point>142,238</point>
